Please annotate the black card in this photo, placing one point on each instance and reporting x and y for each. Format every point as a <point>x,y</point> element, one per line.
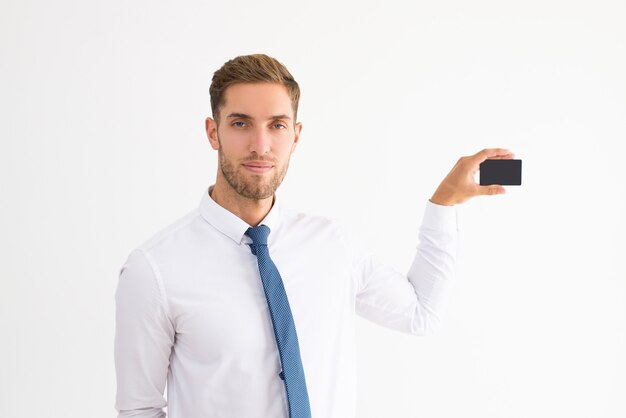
<point>504,172</point>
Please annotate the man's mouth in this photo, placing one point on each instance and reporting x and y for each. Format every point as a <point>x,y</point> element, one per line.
<point>258,167</point>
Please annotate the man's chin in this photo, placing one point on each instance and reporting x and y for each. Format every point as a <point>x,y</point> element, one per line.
<point>258,191</point>
<point>260,195</point>
<point>253,186</point>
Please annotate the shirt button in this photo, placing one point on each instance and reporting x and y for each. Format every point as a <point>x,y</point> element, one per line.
<point>282,375</point>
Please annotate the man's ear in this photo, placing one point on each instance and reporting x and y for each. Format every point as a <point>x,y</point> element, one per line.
<point>298,130</point>
<point>210,126</point>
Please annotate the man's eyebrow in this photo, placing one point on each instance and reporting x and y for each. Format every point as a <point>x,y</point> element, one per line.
<point>245,116</point>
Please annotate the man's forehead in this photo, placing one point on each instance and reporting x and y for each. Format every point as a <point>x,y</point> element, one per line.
<point>257,101</point>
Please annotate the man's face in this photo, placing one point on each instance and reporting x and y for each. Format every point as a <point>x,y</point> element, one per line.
<point>255,138</point>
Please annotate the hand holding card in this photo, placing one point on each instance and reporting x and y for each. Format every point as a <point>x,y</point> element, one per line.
<point>459,185</point>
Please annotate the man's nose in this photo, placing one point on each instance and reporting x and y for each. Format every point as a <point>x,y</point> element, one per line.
<point>260,142</point>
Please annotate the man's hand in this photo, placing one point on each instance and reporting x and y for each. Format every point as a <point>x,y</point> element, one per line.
<point>459,184</point>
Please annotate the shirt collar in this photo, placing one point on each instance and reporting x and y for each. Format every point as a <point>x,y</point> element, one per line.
<point>230,224</point>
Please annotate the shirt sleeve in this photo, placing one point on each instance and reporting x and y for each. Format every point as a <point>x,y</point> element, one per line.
<point>144,337</point>
<point>412,303</point>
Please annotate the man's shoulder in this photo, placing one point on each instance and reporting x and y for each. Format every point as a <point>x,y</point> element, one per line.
<point>170,231</point>
<point>300,217</point>
<point>330,233</point>
<point>297,220</point>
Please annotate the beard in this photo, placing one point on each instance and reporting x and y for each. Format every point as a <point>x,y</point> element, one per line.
<point>250,185</point>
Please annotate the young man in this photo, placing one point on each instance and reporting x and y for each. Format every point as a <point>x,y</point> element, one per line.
<point>247,309</point>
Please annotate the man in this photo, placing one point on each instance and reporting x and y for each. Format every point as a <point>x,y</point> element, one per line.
<point>247,309</point>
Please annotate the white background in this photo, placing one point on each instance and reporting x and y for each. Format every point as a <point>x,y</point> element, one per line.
<point>102,144</point>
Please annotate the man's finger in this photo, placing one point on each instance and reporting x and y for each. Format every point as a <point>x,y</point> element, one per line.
<point>503,157</point>
<point>491,189</point>
<point>492,153</point>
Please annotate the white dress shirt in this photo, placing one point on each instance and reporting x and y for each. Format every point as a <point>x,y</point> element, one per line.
<point>191,311</point>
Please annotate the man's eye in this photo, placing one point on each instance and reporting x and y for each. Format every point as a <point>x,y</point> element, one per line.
<point>280,124</point>
<point>235,123</point>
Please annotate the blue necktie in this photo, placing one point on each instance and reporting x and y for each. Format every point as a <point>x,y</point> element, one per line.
<point>284,327</point>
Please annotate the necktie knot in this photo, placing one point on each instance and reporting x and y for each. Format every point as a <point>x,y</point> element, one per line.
<point>258,234</point>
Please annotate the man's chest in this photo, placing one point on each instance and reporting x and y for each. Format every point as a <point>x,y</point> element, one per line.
<point>220,309</point>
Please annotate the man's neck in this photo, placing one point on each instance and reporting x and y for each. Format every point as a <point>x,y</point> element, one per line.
<point>251,211</point>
